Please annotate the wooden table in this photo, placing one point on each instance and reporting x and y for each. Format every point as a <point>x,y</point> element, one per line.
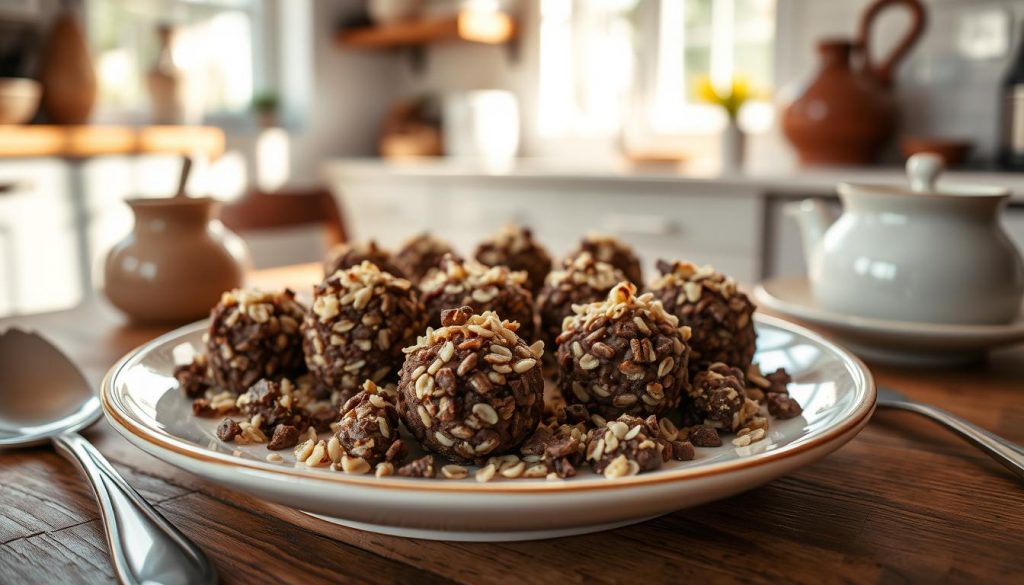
<point>905,502</point>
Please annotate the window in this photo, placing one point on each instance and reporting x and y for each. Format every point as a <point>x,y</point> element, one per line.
<point>586,66</point>
<point>719,39</point>
<point>605,66</point>
<point>216,46</point>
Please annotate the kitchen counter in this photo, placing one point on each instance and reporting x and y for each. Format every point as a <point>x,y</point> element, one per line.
<point>761,182</point>
<point>735,221</point>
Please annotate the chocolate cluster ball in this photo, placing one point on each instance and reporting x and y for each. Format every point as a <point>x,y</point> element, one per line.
<point>718,314</point>
<point>611,250</point>
<point>627,446</point>
<point>472,388</point>
<point>252,335</point>
<point>560,447</point>
<point>351,254</point>
<point>368,428</point>
<point>471,284</point>
<point>360,320</point>
<point>420,255</point>
<point>776,392</point>
<point>581,281</point>
<point>271,408</point>
<point>194,377</point>
<point>514,246</point>
<point>719,397</point>
<point>624,355</point>
<point>266,399</point>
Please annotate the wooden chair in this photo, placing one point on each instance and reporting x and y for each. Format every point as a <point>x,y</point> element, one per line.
<point>288,208</point>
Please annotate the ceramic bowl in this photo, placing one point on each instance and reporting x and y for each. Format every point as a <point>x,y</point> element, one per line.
<point>392,11</point>
<point>19,99</point>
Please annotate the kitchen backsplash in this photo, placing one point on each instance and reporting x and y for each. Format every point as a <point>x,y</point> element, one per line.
<point>947,87</point>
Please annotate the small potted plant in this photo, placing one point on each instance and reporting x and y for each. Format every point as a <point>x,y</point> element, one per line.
<point>731,97</point>
<point>265,106</point>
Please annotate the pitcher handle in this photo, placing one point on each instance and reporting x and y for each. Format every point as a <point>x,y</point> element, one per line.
<point>883,72</point>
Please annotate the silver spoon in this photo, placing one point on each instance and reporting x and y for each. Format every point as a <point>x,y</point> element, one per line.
<point>44,397</point>
<point>998,448</point>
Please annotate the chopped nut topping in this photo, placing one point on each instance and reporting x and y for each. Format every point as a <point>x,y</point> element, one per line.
<point>347,255</point>
<point>469,283</point>
<point>513,246</point>
<point>613,251</point>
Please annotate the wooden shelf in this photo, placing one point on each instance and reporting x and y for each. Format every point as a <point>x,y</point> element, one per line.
<point>490,28</point>
<point>86,141</point>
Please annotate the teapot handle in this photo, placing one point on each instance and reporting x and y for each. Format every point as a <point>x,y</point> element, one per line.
<point>883,72</point>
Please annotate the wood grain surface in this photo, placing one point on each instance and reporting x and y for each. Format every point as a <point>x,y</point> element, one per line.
<point>905,502</point>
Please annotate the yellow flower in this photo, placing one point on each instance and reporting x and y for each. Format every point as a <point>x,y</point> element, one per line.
<point>741,90</point>
<point>732,98</point>
<point>706,90</point>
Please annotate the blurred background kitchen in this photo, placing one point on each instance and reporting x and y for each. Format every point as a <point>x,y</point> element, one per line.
<point>682,126</point>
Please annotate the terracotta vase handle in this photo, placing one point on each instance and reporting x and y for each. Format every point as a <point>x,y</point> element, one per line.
<point>883,72</point>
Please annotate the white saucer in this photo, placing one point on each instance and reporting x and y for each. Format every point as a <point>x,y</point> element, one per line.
<point>894,342</point>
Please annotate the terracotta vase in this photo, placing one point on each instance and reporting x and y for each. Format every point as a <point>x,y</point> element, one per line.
<point>848,113</point>
<point>164,81</point>
<point>66,72</point>
<point>176,262</point>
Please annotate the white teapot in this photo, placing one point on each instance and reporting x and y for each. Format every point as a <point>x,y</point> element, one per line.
<point>927,253</point>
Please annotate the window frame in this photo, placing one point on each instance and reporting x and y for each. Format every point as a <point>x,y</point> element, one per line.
<point>265,71</point>
<point>660,96</point>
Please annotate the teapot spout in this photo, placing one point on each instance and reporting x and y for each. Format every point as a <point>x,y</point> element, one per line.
<point>814,218</point>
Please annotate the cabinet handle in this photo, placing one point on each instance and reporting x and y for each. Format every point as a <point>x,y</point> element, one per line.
<point>641,225</point>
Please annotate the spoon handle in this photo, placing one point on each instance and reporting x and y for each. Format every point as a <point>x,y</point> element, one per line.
<point>994,446</point>
<point>144,546</point>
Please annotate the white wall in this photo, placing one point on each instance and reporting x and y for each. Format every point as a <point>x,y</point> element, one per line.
<point>462,67</point>
<point>349,91</point>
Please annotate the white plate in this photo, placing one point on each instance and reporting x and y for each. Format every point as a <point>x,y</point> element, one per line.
<point>897,342</point>
<point>142,401</point>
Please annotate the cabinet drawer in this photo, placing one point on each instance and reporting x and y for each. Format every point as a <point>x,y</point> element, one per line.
<point>387,215</point>
<point>688,223</point>
<point>678,225</point>
<point>660,222</point>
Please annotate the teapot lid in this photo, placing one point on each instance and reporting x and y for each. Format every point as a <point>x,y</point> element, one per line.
<point>923,170</point>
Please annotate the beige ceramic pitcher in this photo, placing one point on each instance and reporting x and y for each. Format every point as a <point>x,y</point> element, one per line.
<point>175,263</point>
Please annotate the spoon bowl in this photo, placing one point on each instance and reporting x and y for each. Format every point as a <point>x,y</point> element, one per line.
<point>42,394</point>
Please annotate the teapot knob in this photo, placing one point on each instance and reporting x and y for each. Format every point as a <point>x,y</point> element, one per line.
<point>923,169</point>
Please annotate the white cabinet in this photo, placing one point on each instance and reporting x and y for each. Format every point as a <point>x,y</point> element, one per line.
<point>661,220</point>
<point>739,226</point>
<point>48,237</point>
<point>38,250</point>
